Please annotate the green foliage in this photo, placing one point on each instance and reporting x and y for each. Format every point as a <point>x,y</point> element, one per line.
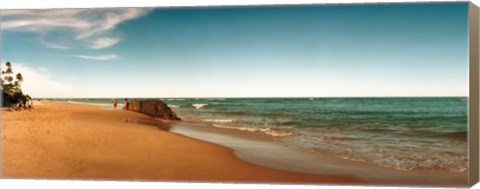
<point>19,77</point>
<point>10,85</point>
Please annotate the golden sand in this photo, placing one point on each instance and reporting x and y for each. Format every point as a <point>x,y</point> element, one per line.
<point>71,141</point>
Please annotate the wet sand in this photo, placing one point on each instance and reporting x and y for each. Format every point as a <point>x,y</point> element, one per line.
<point>71,141</point>
<point>262,150</point>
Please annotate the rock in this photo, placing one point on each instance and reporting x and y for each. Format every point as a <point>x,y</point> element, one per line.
<point>134,106</point>
<point>154,108</point>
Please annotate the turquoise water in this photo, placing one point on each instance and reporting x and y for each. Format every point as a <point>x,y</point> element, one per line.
<point>399,133</point>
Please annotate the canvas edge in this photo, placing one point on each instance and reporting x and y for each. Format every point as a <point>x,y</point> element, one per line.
<point>473,131</point>
<point>1,96</point>
<point>474,80</point>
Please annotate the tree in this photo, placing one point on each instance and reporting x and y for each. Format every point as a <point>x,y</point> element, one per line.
<point>9,85</point>
<point>8,72</point>
<point>19,81</point>
<point>19,77</point>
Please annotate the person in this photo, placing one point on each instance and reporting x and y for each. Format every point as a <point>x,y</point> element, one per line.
<point>125,104</point>
<point>114,103</point>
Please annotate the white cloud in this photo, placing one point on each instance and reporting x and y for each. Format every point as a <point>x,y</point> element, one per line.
<point>104,42</point>
<point>67,28</point>
<point>101,57</point>
<point>39,83</point>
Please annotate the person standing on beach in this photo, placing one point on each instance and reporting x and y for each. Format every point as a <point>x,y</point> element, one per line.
<point>115,103</point>
<point>125,104</point>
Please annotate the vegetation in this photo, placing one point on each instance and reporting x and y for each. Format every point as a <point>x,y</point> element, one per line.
<point>11,86</point>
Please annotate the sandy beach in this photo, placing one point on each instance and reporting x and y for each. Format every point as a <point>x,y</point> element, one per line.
<point>71,141</point>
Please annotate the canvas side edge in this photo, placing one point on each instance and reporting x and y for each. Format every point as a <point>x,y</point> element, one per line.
<point>1,96</point>
<point>473,138</point>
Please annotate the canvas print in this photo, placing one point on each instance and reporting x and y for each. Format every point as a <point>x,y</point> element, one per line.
<point>359,94</point>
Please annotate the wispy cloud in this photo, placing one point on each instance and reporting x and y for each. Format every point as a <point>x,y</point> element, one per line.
<point>72,28</point>
<point>52,45</point>
<point>104,42</point>
<point>101,57</point>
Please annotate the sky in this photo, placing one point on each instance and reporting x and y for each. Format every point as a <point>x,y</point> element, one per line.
<point>283,51</point>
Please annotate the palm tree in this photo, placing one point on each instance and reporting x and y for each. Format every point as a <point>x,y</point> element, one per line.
<point>19,78</point>
<point>9,79</point>
<point>9,68</point>
<point>8,72</point>
<point>10,86</point>
<point>17,83</point>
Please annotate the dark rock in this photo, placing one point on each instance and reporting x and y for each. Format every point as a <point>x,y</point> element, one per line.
<point>8,100</point>
<point>154,108</point>
<point>134,106</point>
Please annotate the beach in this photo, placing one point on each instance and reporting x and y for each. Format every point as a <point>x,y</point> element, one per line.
<point>71,141</point>
<point>60,140</point>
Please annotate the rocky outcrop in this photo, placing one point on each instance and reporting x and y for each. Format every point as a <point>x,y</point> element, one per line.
<point>154,108</point>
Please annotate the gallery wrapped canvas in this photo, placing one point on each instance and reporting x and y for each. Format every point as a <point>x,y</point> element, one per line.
<point>330,94</point>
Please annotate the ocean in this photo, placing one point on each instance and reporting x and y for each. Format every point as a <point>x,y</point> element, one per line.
<point>399,133</point>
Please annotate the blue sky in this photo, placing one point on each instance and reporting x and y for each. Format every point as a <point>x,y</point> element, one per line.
<point>286,51</point>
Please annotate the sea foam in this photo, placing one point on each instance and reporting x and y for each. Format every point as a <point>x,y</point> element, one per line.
<point>220,120</point>
<point>198,106</point>
<point>173,106</point>
<point>267,131</point>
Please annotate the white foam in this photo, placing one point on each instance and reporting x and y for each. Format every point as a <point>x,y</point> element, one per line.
<point>173,106</point>
<point>173,99</point>
<point>220,120</point>
<point>277,133</point>
<point>387,155</point>
<point>198,106</point>
<point>267,131</point>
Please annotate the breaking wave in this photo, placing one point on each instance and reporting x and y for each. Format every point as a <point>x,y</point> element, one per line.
<point>267,131</point>
<point>198,106</point>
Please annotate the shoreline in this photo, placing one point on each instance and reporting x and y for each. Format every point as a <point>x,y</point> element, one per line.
<point>260,150</point>
<point>71,141</point>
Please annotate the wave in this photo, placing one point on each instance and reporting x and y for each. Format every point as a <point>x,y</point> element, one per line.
<point>414,161</point>
<point>215,99</point>
<point>267,131</point>
<point>173,106</point>
<point>220,120</point>
<point>198,106</point>
<point>276,133</point>
<point>402,156</point>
